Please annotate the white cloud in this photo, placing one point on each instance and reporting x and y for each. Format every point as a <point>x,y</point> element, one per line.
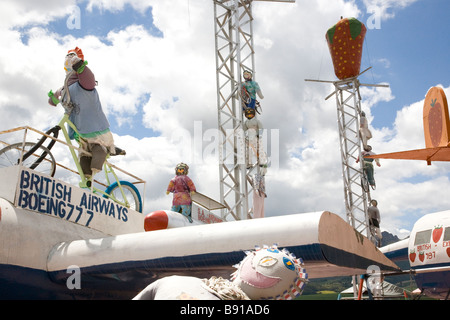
<point>384,8</point>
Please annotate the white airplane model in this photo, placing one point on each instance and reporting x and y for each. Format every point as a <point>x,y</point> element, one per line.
<point>56,244</point>
<point>58,241</point>
<point>426,254</point>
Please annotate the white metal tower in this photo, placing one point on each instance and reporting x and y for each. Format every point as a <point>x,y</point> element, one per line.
<point>234,53</point>
<point>356,191</point>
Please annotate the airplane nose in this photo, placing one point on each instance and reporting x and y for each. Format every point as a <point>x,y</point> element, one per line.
<point>156,220</point>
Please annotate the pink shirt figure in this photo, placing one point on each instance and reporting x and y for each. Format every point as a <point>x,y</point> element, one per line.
<point>181,186</point>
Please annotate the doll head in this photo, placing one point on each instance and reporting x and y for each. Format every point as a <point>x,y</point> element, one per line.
<point>181,169</point>
<point>249,113</point>
<point>247,75</point>
<point>270,273</point>
<point>69,56</point>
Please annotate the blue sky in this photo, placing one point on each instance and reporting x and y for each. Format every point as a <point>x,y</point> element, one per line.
<point>416,43</point>
<point>100,22</point>
<point>155,64</point>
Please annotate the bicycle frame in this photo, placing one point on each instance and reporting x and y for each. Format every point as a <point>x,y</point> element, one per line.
<point>116,187</point>
<point>107,168</point>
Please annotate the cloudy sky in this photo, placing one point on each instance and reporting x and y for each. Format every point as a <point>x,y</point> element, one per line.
<point>155,66</point>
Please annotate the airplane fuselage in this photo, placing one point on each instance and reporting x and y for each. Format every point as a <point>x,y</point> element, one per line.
<point>426,254</point>
<point>429,253</point>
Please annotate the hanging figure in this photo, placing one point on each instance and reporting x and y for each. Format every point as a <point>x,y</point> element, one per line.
<point>252,127</point>
<point>86,114</point>
<point>259,195</point>
<point>182,188</point>
<point>364,131</point>
<point>374,221</point>
<point>249,90</point>
<point>368,165</point>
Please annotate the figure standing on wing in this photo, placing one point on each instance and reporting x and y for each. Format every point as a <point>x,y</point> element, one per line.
<point>182,188</point>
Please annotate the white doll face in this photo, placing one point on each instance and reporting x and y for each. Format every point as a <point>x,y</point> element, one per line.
<point>270,274</point>
<point>68,61</point>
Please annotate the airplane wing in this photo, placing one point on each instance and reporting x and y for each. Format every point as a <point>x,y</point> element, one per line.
<point>436,129</point>
<point>428,154</point>
<point>51,231</point>
<point>327,244</point>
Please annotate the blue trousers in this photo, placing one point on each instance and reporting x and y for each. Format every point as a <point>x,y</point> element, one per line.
<point>184,209</point>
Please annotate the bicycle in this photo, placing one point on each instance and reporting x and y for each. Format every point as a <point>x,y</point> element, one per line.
<point>37,156</point>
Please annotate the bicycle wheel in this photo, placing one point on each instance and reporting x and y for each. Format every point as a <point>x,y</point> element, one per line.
<point>132,194</point>
<point>41,159</point>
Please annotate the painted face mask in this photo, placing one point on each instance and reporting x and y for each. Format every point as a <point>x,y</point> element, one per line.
<point>270,274</point>
<point>181,169</point>
<point>77,52</point>
<point>247,75</point>
<point>68,61</point>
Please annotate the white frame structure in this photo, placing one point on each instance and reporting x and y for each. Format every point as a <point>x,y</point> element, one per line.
<point>348,104</point>
<point>233,28</point>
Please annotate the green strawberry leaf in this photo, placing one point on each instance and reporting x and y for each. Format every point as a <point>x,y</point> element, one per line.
<point>355,27</point>
<point>433,102</point>
<point>330,33</point>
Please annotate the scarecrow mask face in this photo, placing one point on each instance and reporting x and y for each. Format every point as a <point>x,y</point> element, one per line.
<point>68,61</point>
<point>181,169</point>
<point>77,52</point>
<point>270,274</point>
<point>247,75</point>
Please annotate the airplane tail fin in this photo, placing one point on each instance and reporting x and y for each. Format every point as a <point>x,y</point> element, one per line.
<point>436,123</point>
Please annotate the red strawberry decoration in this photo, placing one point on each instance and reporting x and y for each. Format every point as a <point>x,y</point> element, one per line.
<point>436,125</point>
<point>421,256</point>
<point>345,42</point>
<point>437,233</point>
<point>412,255</point>
<point>435,122</point>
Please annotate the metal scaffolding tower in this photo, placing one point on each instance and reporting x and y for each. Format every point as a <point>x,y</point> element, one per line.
<point>234,53</point>
<point>356,188</point>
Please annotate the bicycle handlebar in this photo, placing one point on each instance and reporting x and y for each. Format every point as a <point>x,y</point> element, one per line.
<point>52,96</point>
